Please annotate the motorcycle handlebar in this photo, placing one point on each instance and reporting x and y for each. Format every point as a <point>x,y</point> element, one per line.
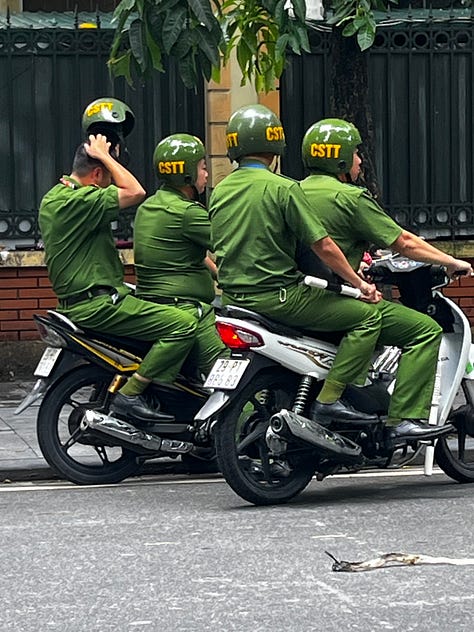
<point>322,284</point>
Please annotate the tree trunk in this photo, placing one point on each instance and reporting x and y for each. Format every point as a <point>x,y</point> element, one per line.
<point>350,100</point>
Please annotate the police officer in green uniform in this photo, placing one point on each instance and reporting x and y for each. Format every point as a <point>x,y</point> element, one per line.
<point>87,275</point>
<point>354,220</point>
<point>257,219</point>
<point>171,242</point>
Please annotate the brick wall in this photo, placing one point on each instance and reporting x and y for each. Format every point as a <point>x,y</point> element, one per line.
<point>25,291</point>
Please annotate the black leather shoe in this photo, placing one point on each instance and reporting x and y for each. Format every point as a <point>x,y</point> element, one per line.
<point>338,411</point>
<point>134,407</point>
<point>415,429</point>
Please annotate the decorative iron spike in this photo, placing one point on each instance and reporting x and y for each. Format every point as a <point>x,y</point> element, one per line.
<point>8,16</point>
<point>97,16</point>
<point>76,16</point>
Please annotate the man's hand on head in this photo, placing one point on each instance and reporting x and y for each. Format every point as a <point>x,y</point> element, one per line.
<point>98,146</point>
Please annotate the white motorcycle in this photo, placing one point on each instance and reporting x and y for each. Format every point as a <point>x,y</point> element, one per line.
<point>269,448</point>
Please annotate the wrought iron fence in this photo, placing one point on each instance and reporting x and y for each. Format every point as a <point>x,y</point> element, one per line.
<point>421,89</point>
<point>47,77</point>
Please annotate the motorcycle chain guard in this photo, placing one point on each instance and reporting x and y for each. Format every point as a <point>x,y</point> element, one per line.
<point>332,444</point>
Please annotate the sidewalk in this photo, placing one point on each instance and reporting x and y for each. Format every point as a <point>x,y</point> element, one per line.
<point>20,456</point>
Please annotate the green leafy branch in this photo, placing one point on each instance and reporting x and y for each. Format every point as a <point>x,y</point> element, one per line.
<point>201,35</point>
<point>357,18</point>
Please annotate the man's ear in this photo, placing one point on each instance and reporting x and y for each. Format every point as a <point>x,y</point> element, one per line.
<point>97,174</point>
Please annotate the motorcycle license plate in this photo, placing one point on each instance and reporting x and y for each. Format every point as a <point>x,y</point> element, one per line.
<point>47,361</point>
<point>226,373</point>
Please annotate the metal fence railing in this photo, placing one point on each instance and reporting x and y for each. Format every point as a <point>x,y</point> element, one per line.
<point>421,91</point>
<point>47,77</point>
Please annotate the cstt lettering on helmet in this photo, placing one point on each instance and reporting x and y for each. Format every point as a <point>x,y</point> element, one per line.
<point>275,133</point>
<point>232,139</point>
<point>97,107</point>
<point>171,167</point>
<point>325,150</point>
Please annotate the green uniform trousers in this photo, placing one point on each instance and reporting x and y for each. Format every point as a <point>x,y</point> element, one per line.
<point>207,345</point>
<point>419,338</point>
<point>318,310</point>
<point>172,330</point>
<point>384,323</point>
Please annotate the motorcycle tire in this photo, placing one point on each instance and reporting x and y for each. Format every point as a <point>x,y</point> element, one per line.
<point>77,458</point>
<point>243,455</point>
<point>455,453</point>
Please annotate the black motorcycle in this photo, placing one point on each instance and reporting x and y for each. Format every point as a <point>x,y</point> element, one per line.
<point>79,373</point>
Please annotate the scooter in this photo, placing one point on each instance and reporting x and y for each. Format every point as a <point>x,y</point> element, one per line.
<point>77,376</point>
<point>268,445</point>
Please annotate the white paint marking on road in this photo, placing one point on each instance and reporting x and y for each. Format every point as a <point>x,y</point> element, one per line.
<point>331,536</point>
<point>62,485</point>
<point>159,543</point>
<point>340,594</point>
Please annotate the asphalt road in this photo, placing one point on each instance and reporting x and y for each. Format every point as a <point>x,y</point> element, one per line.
<point>155,554</point>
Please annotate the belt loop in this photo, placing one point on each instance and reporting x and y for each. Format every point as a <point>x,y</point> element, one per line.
<point>282,295</point>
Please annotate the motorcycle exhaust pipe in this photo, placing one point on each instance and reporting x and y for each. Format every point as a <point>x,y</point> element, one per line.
<point>290,424</point>
<point>125,435</point>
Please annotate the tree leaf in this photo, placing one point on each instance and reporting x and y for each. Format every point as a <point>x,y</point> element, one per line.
<point>187,71</point>
<point>299,7</point>
<point>350,29</point>
<point>137,44</point>
<point>173,26</point>
<point>365,37</point>
<point>154,50</point>
<point>202,10</point>
<point>210,49</point>
<point>120,66</point>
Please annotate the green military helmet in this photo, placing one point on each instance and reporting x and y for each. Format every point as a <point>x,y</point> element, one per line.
<point>108,114</point>
<point>254,129</point>
<point>176,159</point>
<point>329,146</point>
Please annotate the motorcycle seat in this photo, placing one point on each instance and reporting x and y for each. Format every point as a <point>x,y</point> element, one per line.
<point>232,311</point>
<point>137,347</point>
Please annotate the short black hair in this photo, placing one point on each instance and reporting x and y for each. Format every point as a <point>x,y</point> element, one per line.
<point>83,164</point>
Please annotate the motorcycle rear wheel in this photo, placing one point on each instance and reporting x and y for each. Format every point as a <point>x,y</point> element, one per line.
<point>243,455</point>
<point>81,460</point>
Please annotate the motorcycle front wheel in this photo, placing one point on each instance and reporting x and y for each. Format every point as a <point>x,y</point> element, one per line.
<point>243,455</point>
<point>455,453</point>
<point>73,455</point>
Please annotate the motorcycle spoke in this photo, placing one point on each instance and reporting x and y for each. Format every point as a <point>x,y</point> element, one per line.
<point>102,452</point>
<point>461,444</point>
<point>74,438</point>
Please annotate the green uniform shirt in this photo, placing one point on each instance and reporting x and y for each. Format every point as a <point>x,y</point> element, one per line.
<point>171,239</point>
<point>257,219</point>
<point>79,246</point>
<point>350,215</point>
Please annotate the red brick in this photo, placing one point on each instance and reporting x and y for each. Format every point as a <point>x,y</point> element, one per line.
<point>29,335</point>
<point>8,273</point>
<point>36,292</point>
<point>20,304</point>
<point>33,272</point>
<point>8,335</point>
<point>8,314</point>
<point>27,314</point>
<point>16,325</point>
<point>8,294</point>
<point>47,303</point>
<point>16,282</point>
<point>44,282</point>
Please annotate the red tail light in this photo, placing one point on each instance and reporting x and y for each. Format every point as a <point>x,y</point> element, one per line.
<point>238,338</point>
